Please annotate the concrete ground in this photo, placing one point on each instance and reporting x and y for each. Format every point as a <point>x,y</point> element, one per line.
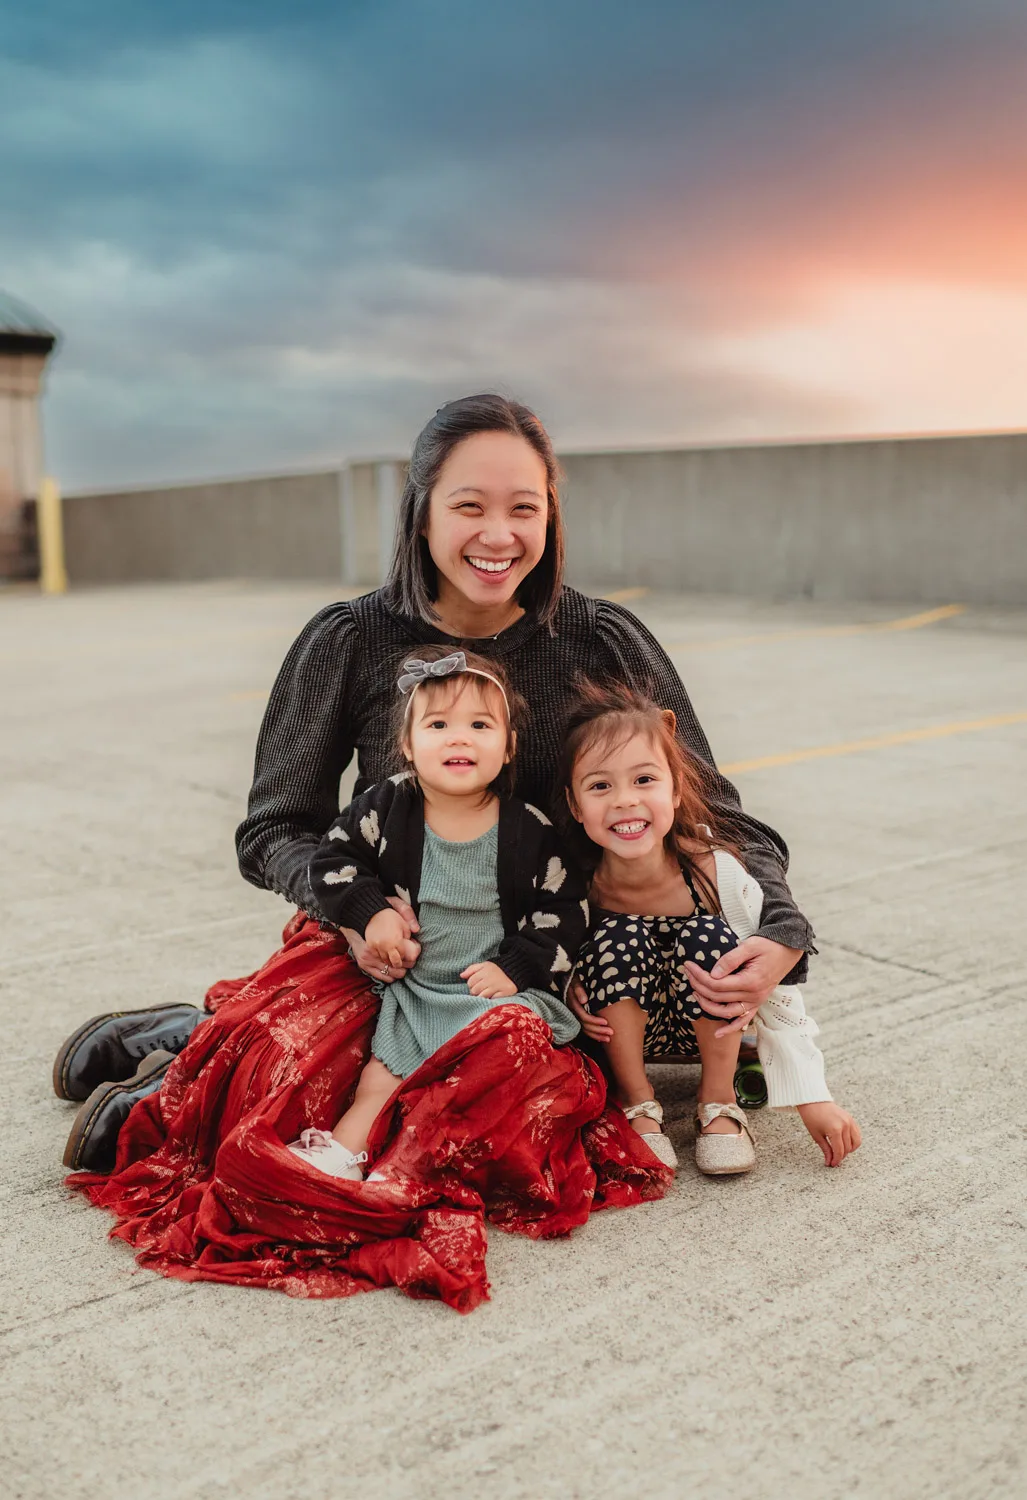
<point>797,1333</point>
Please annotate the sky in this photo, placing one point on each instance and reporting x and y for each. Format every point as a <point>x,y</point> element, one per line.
<point>274,236</point>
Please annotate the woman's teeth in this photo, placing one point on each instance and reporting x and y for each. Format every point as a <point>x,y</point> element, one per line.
<point>485,566</point>
<point>636,827</point>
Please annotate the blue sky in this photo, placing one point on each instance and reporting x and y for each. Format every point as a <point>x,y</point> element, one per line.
<point>273,236</point>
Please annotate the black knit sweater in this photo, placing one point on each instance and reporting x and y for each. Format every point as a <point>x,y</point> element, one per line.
<point>335,694</point>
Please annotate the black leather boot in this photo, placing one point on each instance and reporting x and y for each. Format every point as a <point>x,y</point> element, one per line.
<point>109,1048</point>
<point>93,1142</point>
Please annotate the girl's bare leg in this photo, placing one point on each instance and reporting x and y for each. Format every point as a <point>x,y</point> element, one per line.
<point>624,1051</point>
<point>374,1088</point>
<point>719,1061</point>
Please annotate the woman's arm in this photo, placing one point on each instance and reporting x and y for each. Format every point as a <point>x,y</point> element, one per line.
<point>627,650</point>
<point>303,748</point>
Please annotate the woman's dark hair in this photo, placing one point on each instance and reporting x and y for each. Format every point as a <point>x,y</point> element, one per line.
<point>412,583</point>
<point>446,689</point>
<point>607,716</point>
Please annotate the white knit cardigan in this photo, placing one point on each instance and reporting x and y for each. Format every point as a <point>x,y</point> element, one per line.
<point>792,1062</point>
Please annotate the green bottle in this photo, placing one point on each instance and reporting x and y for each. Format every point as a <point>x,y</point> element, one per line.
<point>750,1084</point>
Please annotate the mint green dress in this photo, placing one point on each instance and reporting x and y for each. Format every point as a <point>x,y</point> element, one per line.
<point>460,925</point>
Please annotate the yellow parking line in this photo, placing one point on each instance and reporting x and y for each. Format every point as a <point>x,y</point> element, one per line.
<point>770,637</point>
<point>879,742</point>
<point>929,617</point>
<point>621,596</point>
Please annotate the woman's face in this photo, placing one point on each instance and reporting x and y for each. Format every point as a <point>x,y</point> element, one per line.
<point>623,796</point>
<point>487,517</point>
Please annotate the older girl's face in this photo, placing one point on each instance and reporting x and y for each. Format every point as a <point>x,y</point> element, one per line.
<point>487,518</point>
<point>623,796</point>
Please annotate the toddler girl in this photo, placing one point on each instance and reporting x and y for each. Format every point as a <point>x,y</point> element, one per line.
<point>668,888</point>
<point>500,915</point>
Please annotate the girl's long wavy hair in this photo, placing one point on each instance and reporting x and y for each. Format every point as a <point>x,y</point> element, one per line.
<point>604,717</point>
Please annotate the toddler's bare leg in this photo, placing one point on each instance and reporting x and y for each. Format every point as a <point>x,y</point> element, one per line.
<point>624,1051</point>
<point>375,1086</point>
<point>719,1061</point>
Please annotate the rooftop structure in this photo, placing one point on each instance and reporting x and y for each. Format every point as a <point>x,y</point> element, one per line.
<point>26,342</point>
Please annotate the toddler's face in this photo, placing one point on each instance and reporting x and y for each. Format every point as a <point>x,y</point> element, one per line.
<point>457,736</point>
<point>623,796</point>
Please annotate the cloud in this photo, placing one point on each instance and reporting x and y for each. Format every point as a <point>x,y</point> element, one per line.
<point>274,237</point>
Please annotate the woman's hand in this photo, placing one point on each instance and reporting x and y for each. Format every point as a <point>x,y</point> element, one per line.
<point>739,983</point>
<point>833,1129</point>
<point>368,961</point>
<point>488,982</point>
<point>596,1027</point>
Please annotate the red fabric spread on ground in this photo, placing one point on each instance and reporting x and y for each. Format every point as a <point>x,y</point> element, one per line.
<point>498,1125</point>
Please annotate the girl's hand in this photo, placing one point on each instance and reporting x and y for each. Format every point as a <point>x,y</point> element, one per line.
<point>737,985</point>
<point>833,1129</point>
<point>387,938</point>
<point>406,911</point>
<point>368,961</point>
<point>595,1027</point>
<point>488,982</point>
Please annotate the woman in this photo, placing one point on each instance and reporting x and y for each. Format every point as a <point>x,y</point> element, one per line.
<point>479,557</point>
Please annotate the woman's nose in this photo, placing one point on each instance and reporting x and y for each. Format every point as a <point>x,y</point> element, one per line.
<point>496,534</point>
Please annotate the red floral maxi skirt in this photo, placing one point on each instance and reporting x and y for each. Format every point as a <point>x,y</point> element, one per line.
<point>499,1124</point>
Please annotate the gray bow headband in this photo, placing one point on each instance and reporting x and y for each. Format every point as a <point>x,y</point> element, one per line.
<point>416,671</point>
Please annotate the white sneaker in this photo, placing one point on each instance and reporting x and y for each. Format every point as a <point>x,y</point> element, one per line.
<point>323,1151</point>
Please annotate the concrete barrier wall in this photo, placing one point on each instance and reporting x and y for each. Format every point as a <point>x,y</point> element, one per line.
<point>284,526</point>
<point>934,520</point>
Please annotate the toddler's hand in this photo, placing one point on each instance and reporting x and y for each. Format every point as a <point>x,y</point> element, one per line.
<point>488,982</point>
<point>833,1129</point>
<point>386,937</point>
<point>596,1027</point>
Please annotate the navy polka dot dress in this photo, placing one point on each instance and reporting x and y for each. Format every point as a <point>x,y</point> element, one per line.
<point>643,958</point>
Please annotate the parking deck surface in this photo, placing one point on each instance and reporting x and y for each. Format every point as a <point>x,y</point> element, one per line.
<point>797,1333</point>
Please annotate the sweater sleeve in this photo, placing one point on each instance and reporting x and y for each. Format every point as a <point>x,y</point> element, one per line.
<point>541,954</point>
<point>792,1063</point>
<point>303,748</point>
<point>625,649</point>
<point>343,872</point>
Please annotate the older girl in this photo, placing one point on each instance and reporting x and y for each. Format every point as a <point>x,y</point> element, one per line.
<point>671,900</point>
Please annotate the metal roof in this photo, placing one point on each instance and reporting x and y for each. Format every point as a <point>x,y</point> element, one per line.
<point>17,317</point>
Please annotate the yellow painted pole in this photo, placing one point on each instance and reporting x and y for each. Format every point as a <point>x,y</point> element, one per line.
<point>53,578</point>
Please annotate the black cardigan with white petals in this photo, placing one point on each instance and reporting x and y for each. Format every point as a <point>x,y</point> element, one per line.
<point>374,848</point>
